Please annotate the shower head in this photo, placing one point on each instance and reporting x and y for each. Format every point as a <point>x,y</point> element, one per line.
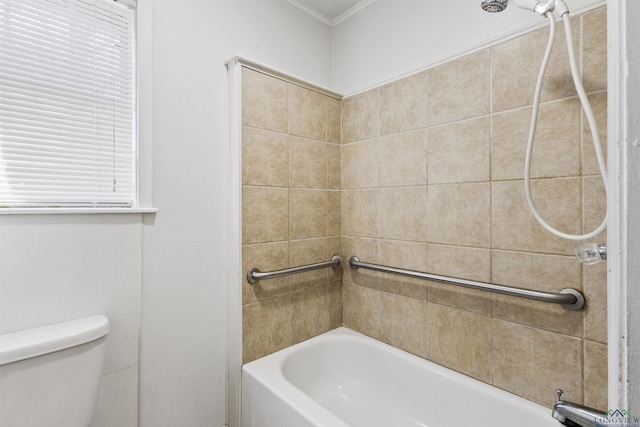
<point>539,6</point>
<point>494,6</point>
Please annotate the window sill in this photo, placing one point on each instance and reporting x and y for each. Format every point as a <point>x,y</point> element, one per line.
<point>84,211</point>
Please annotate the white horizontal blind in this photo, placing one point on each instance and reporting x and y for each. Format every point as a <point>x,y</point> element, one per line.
<point>67,103</point>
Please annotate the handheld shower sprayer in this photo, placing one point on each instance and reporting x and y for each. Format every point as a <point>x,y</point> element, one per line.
<point>541,7</point>
<point>546,9</point>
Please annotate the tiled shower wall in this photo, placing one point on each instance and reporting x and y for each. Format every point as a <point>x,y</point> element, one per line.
<point>291,212</point>
<point>426,173</point>
<point>432,180</point>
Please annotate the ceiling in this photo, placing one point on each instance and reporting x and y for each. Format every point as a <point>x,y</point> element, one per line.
<point>331,12</point>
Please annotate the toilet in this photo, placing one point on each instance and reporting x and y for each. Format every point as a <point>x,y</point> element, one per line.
<point>50,376</point>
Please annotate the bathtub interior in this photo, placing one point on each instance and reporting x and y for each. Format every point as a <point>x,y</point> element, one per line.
<point>363,382</point>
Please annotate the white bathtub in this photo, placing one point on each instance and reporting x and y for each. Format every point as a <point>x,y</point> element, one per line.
<point>343,378</point>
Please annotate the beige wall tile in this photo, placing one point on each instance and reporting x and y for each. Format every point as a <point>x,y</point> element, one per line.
<point>589,160</point>
<point>280,312</point>
<point>265,257</point>
<point>360,213</point>
<point>264,214</point>
<point>549,273</point>
<point>403,213</point>
<point>595,375</point>
<point>403,104</point>
<point>594,57</point>
<point>307,113</point>
<point>334,178</point>
<point>334,298</point>
<point>407,255</point>
<point>459,152</point>
<point>309,313</point>
<point>460,262</point>
<point>460,340</point>
<point>307,163</point>
<point>595,311</point>
<point>509,135</point>
<point>266,327</point>
<point>594,205</point>
<point>515,228</point>
<point>541,272</point>
<point>360,116</point>
<point>453,98</point>
<point>265,158</point>
<point>403,254</point>
<point>556,149</point>
<point>515,67</point>
<point>307,213</point>
<point>264,101</point>
<point>365,249</point>
<point>361,309</point>
<point>403,159</point>
<point>333,213</point>
<point>303,252</point>
<point>334,247</point>
<point>459,214</point>
<point>541,315</point>
<point>334,120</point>
<point>473,300</point>
<point>360,165</point>
<point>532,363</point>
<point>403,323</point>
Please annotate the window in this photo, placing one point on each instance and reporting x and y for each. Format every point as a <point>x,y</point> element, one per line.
<point>67,104</point>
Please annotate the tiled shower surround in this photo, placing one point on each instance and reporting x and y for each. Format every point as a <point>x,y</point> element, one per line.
<point>427,174</point>
<point>290,210</point>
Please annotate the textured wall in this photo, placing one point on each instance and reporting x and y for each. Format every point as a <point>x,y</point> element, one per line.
<point>291,212</point>
<point>432,180</point>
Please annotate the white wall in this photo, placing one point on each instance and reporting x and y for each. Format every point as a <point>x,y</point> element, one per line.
<point>184,297</point>
<point>162,279</point>
<point>55,268</point>
<point>392,38</point>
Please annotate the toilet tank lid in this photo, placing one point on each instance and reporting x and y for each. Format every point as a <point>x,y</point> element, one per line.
<point>29,343</point>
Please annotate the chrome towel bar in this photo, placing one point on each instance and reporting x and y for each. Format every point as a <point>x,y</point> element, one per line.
<point>569,298</point>
<point>254,275</point>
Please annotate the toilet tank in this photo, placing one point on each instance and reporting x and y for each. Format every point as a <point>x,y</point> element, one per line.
<point>50,376</point>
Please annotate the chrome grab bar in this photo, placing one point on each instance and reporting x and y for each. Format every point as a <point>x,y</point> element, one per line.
<point>570,298</point>
<point>254,275</point>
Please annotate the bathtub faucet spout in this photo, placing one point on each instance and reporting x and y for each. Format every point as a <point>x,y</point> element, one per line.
<point>574,415</point>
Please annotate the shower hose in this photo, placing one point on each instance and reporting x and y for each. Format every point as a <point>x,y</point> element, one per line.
<point>586,106</point>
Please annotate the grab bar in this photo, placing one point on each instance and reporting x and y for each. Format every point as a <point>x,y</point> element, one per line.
<point>570,298</point>
<point>254,275</point>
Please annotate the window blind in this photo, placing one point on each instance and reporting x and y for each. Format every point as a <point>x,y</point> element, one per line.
<point>67,103</point>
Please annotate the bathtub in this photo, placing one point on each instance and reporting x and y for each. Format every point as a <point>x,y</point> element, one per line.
<point>345,379</point>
